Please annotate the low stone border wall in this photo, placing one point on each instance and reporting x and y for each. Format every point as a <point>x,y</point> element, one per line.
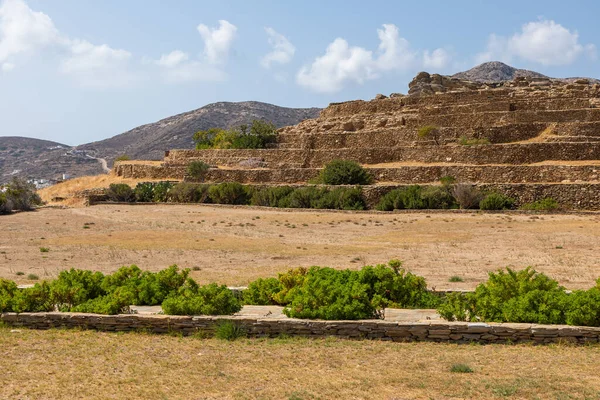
<point>457,332</point>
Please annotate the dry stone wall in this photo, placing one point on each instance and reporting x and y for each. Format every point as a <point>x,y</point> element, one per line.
<point>514,154</point>
<point>457,332</point>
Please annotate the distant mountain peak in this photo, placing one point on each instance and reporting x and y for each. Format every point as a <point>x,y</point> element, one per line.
<point>496,71</point>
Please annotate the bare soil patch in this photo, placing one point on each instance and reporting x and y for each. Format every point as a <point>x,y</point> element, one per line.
<point>236,245</point>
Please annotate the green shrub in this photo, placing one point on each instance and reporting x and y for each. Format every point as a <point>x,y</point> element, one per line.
<point>437,197</point>
<point>583,308</point>
<point>546,204</point>
<point>33,277</point>
<point>510,296</point>
<point>44,250</point>
<point>326,293</point>
<point>197,170</point>
<point>270,196</point>
<point>289,280</point>
<point>341,199</point>
<point>75,287</point>
<point>417,197</point>
<point>304,197</point>
<point>461,369</point>
<point>430,132</point>
<point>7,294</point>
<point>344,172</point>
<point>189,193</point>
<point>210,299</point>
<point>6,206</point>
<point>261,292</point>
<point>154,288</point>
<point>120,192</point>
<point>228,193</point>
<point>111,304</point>
<point>161,191</point>
<point>20,195</point>
<point>457,307</point>
<point>330,294</point>
<point>35,299</point>
<point>496,201</point>
<point>123,157</point>
<point>144,192</point>
<point>392,200</point>
<point>229,330</point>
<point>455,278</point>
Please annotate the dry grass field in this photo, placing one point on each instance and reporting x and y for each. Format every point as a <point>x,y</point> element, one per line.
<point>236,245</point>
<point>83,364</point>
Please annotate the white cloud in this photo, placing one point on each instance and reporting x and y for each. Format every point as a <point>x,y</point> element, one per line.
<point>395,51</point>
<point>217,41</point>
<point>23,30</point>
<point>545,42</point>
<point>342,63</point>
<point>7,67</point>
<point>437,59</point>
<point>339,64</point>
<point>283,49</point>
<point>97,65</point>
<point>173,59</point>
<point>177,67</point>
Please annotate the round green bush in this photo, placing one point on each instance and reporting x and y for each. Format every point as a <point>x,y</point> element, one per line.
<point>345,172</point>
<point>197,170</point>
<point>496,201</point>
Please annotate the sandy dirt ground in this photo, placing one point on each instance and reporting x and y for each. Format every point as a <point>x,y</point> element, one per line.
<point>236,245</point>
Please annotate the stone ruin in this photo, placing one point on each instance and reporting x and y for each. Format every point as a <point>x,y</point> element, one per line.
<point>529,138</point>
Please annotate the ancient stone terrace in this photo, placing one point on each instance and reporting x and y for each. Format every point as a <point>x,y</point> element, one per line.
<point>536,131</point>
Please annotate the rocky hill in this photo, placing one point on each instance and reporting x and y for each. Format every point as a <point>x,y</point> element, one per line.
<point>495,71</point>
<point>149,142</point>
<point>42,159</point>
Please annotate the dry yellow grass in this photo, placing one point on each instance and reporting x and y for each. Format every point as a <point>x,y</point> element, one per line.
<point>237,245</point>
<point>69,189</point>
<point>91,365</point>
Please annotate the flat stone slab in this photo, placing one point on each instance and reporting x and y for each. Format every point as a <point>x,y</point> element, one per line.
<point>276,312</point>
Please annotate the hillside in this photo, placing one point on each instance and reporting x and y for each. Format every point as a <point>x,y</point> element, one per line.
<point>20,156</point>
<point>149,142</point>
<point>496,71</point>
<point>41,159</point>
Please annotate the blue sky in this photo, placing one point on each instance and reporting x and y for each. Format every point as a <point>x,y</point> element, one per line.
<point>76,71</point>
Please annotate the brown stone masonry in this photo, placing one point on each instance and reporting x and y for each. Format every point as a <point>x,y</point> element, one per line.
<point>457,332</point>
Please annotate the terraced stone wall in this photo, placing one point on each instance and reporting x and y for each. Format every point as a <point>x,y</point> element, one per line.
<point>527,153</point>
<point>458,332</point>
